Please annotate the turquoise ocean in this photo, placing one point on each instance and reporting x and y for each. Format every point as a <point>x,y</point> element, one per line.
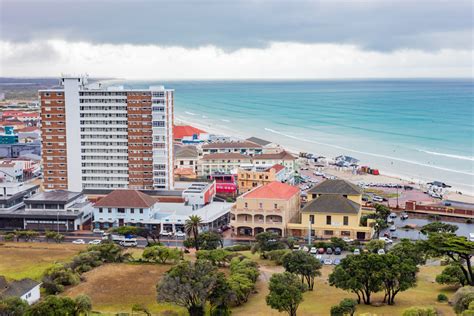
<point>420,130</point>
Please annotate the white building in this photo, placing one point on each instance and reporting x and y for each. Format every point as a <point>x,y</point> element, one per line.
<point>13,188</point>
<point>106,138</point>
<point>26,289</point>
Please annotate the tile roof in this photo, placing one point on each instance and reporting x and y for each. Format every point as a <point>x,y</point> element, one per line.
<point>331,204</point>
<point>180,131</point>
<point>283,155</point>
<point>337,186</point>
<point>239,144</point>
<point>259,141</point>
<point>277,167</point>
<point>19,288</point>
<point>231,156</point>
<point>274,190</point>
<point>186,152</point>
<point>127,199</point>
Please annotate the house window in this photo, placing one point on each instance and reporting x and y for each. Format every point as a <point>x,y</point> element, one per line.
<point>311,219</point>
<point>110,210</point>
<point>345,233</point>
<point>275,205</point>
<point>120,210</point>
<point>346,220</point>
<point>260,205</point>
<point>328,232</point>
<point>100,209</point>
<point>328,220</point>
<point>141,211</point>
<point>132,210</point>
<point>246,205</point>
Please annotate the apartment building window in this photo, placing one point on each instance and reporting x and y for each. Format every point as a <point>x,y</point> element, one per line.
<point>328,220</point>
<point>328,232</point>
<point>345,233</point>
<point>260,205</point>
<point>47,94</point>
<point>275,205</point>
<point>246,205</point>
<point>311,219</point>
<point>346,220</point>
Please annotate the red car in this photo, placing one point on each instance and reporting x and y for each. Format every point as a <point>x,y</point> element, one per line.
<point>321,250</point>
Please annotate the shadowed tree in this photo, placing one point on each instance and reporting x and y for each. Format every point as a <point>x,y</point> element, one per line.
<point>286,293</point>
<point>304,265</point>
<point>192,228</point>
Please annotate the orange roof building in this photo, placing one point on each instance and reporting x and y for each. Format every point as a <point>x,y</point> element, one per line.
<point>266,208</point>
<point>181,131</point>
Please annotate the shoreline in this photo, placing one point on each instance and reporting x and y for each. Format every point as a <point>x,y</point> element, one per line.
<point>384,177</point>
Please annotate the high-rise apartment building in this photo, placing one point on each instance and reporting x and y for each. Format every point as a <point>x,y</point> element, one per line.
<point>106,138</point>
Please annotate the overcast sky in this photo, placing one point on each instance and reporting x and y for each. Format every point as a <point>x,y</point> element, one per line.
<point>237,39</point>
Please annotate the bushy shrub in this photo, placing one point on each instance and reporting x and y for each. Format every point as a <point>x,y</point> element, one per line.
<point>462,298</point>
<point>238,247</point>
<point>58,276</point>
<point>276,255</point>
<point>442,297</point>
<point>219,257</point>
<point>420,311</point>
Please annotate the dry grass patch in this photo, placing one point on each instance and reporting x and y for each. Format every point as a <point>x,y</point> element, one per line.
<point>117,287</point>
<point>29,260</point>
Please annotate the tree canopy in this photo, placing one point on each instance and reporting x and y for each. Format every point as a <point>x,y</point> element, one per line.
<point>286,292</point>
<point>303,264</point>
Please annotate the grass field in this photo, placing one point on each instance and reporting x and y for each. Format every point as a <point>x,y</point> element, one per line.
<point>29,260</point>
<point>117,287</point>
<point>319,301</point>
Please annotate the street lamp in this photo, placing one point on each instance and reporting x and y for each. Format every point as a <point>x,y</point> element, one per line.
<point>57,221</point>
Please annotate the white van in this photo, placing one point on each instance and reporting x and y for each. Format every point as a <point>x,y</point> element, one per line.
<point>131,242</point>
<point>471,236</point>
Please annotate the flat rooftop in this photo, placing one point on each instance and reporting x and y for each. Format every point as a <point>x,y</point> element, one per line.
<point>59,196</point>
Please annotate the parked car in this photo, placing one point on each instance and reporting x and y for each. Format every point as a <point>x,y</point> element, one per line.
<point>166,233</point>
<point>404,216</point>
<point>329,251</point>
<point>390,220</point>
<point>393,215</point>
<point>337,251</point>
<point>319,257</point>
<point>296,247</point>
<point>129,243</point>
<point>321,250</point>
<point>327,261</point>
<point>79,242</point>
<point>377,198</point>
<point>313,251</point>
<point>180,234</point>
<point>381,252</point>
<point>471,236</point>
<point>337,261</point>
<point>347,239</point>
<point>97,231</point>
<point>95,242</point>
<point>105,236</point>
<point>393,228</point>
<point>305,249</point>
<point>357,251</point>
<point>387,240</point>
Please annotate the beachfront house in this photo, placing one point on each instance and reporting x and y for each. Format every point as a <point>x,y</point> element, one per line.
<point>221,163</point>
<point>333,210</point>
<point>283,158</point>
<point>240,147</point>
<point>186,161</point>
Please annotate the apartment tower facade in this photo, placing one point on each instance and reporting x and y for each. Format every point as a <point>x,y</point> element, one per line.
<point>106,138</point>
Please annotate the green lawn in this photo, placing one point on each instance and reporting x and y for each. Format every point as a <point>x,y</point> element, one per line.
<point>20,260</point>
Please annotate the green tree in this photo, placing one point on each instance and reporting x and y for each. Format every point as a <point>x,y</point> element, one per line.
<point>410,250</point>
<point>267,241</point>
<point>457,248</point>
<point>438,227</point>
<point>53,305</point>
<point>374,245</point>
<point>210,240</point>
<point>219,257</point>
<point>337,242</point>
<point>242,286</point>
<point>83,305</point>
<point>398,274</point>
<point>346,307</point>
<point>452,275</point>
<point>162,254</point>
<point>382,211</point>
<point>58,276</point>
<point>286,292</point>
<point>192,228</point>
<point>86,261</point>
<point>189,285</point>
<point>304,265</point>
<point>110,252</point>
<point>13,306</point>
<point>49,235</point>
<point>125,230</point>
<point>360,275</point>
<point>420,311</point>
<point>221,297</point>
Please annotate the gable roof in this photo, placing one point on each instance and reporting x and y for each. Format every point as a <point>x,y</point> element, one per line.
<point>283,155</point>
<point>225,156</point>
<point>127,199</point>
<point>274,190</point>
<point>180,131</point>
<point>277,167</point>
<point>337,186</point>
<point>259,141</point>
<point>239,144</point>
<point>186,152</point>
<point>19,288</point>
<point>331,204</point>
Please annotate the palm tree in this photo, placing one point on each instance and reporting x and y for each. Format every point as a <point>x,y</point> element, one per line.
<point>192,228</point>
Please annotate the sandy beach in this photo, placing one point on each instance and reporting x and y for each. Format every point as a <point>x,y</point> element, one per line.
<point>451,195</point>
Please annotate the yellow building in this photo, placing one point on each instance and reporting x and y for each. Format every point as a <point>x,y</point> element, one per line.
<point>252,176</point>
<point>265,208</point>
<point>334,210</point>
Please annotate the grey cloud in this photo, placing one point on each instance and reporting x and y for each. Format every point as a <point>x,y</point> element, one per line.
<point>370,24</point>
